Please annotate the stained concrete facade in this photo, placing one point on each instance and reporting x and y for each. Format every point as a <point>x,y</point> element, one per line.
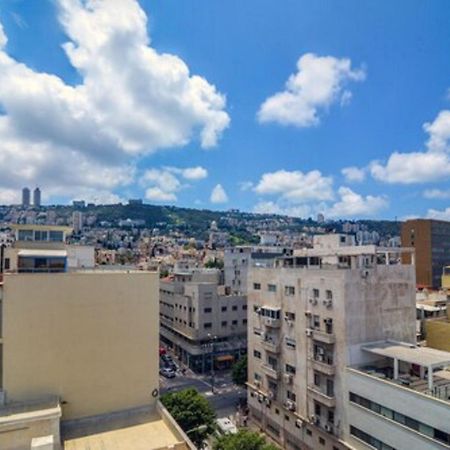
<point>307,320</point>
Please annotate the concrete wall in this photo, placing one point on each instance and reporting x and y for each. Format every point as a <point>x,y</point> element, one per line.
<point>91,338</point>
<point>438,334</point>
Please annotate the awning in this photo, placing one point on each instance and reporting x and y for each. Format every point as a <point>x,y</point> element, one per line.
<point>42,253</point>
<point>224,358</point>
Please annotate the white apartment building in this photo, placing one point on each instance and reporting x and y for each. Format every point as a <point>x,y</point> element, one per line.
<point>332,356</point>
<point>238,261</point>
<point>200,320</point>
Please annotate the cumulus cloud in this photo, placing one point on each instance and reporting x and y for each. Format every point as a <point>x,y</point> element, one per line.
<point>132,101</point>
<point>218,194</point>
<point>438,214</point>
<point>436,194</point>
<point>354,174</point>
<point>352,204</point>
<point>319,82</point>
<point>420,167</point>
<point>299,194</point>
<point>296,186</point>
<point>190,173</point>
<point>245,185</point>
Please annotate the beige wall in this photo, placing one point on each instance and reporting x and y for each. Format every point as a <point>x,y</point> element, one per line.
<point>438,334</point>
<point>90,337</point>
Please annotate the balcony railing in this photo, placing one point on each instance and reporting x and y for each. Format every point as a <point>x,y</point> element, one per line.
<point>271,371</point>
<point>321,397</point>
<point>322,364</point>
<point>271,346</point>
<point>326,338</point>
<point>273,323</point>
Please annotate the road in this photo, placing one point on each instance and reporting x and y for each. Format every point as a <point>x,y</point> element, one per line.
<point>223,400</point>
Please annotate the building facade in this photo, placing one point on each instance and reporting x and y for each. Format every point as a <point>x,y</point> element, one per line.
<point>37,197</point>
<point>200,320</point>
<point>431,241</point>
<point>26,197</point>
<point>312,319</point>
<point>78,350</point>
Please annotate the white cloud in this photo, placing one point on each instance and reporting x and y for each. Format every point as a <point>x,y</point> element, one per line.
<point>436,194</point>
<point>296,186</point>
<point>218,194</point>
<point>354,174</point>
<point>245,185</point>
<point>318,83</point>
<point>352,204</point>
<point>190,173</point>
<point>164,185</point>
<point>271,207</point>
<point>9,197</point>
<point>132,101</point>
<point>158,195</point>
<point>439,215</point>
<point>420,167</point>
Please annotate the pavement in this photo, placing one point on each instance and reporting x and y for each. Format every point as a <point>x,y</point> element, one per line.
<point>223,398</point>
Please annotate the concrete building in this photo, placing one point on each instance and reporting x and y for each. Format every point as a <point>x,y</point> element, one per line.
<point>431,240</point>
<point>326,369</point>
<point>445,283</point>
<point>238,261</point>
<point>37,197</point>
<point>79,351</point>
<point>200,320</point>
<point>26,196</point>
<point>77,221</point>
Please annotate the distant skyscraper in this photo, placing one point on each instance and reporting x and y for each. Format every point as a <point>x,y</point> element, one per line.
<point>25,197</point>
<point>37,197</point>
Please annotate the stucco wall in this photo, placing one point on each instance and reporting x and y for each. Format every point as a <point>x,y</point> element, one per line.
<point>91,338</point>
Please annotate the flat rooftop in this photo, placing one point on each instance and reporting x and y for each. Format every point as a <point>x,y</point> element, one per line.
<point>422,356</point>
<point>154,434</point>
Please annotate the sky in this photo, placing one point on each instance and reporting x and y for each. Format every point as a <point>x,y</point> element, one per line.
<point>292,107</point>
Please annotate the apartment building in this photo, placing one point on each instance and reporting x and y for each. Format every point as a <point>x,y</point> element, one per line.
<point>328,364</point>
<point>238,261</point>
<point>200,320</point>
<point>79,364</point>
<point>431,240</point>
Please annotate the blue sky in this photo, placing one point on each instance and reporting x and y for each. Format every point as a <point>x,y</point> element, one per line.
<point>188,103</point>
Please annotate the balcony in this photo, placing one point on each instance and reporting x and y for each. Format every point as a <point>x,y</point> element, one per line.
<point>271,322</point>
<point>322,364</point>
<point>271,346</point>
<point>270,371</point>
<point>326,338</point>
<point>321,397</point>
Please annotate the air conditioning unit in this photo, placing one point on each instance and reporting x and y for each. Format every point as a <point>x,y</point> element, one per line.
<point>364,273</point>
<point>288,378</point>
<point>260,398</point>
<point>328,303</point>
<point>313,419</point>
<point>329,428</point>
<point>308,313</point>
<point>268,402</point>
<point>289,323</point>
<point>313,301</point>
<point>299,423</point>
<point>328,320</point>
<point>290,405</point>
<point>309,332</point>
<point>257,383</point>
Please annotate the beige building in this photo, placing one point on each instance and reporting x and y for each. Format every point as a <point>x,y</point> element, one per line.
<point>200,321</point>
<point>318,326</point>
<point>79,353</point>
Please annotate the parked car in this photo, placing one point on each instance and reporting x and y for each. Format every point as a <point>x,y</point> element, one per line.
<point>167,372</point>
<point>167,361</point>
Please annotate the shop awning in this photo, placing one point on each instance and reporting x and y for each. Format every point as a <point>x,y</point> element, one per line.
<point>224,358</point>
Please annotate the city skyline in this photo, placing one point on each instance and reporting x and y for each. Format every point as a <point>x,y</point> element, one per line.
<point>350,122</point>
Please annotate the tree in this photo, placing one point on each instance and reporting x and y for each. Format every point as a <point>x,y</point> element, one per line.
<point>239,371</point>
<point>192,412</point>
<point>214,264</point>
<point>242,440</point>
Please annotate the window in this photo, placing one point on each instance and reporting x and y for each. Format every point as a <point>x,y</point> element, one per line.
<point>56,236</point>
<point>234,308</point>
<point>321,440</point>
<point>7,263</point>
<point>291,396</point>
<point>316,379</point>
<point>290,369</point>
<point>234,322</point>
<point>330,388</point>
<point>289,316</point>
<point>316,293</point>
<point>257,331</point>
<point>330,416</point>
<point>257,377</point>
<point>25,235</point>
<point>374,442</point>
<point>207,325</point>
<point>290,343</point>
<point>256,308</point>
<point>244,321</point>
<point>272,362</point>
<point>257,354</point>
<point>329,294</point>
<point>317,409</point>
<point>224,309</point>
<point>289,290</point>
<point>286,417</point>
<point>224,323</point>
<point>257,286</point>
<point>308,432</point>
<point>40,235</point>
<point>272,287</point>
<point>244,307</point>
<point>316,322</point>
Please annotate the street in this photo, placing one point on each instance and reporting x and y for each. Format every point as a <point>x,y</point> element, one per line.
<point>226,393</point>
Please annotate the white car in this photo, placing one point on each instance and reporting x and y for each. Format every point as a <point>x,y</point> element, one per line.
<point>226,426</point>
